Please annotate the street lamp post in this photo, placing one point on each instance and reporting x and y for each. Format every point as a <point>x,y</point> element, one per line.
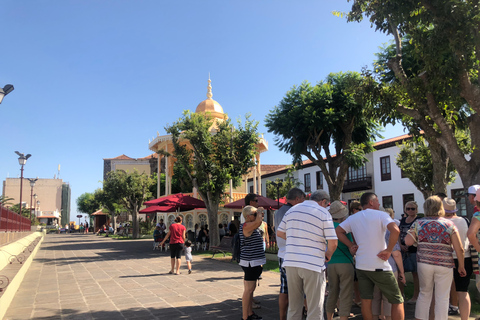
<point>278,185</point>
<point>5,90</point>
<point>35,204</point>
<point>22,159</point>
<point>38,205</point>
<point>32,184</point>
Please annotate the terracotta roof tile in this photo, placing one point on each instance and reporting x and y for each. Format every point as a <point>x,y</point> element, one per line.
<point>122,157</point>
<point>153,155</point>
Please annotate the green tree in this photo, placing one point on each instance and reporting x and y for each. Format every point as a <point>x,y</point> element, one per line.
<point>25,211</point>
<point>415,160</point>
<point>129,190</point>
<point>88,202</point>
<point>445,40</point>
<point>288,183</point>
<point>213,154</point>
<point>310,120</point>
<point>6,201</point>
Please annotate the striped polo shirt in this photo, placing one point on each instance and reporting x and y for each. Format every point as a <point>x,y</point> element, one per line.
<point>252,253</point>
<point>308,227</point>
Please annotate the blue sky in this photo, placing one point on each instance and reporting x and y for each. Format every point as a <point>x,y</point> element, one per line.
<point>97,79</point>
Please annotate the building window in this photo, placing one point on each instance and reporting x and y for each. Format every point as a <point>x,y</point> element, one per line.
<point>406,198</point>
<point>224,218</point>
<point>251,189</point>
<point>402,174</point>
<point>386,172</point>
<point>460,198</point>
<point>189,221</point>
<point>202,219</point>
<point>308,186</point>
<point>387,202</point>
<point>359,174</point>
<point>319,178</point>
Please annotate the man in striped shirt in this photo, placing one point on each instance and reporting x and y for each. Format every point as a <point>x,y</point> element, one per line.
<point>307,227</point>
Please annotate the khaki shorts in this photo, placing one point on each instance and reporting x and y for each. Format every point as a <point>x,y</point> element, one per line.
<point>384,280</point>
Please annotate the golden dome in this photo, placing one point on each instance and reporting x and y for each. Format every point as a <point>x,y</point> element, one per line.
<point>210,105</point>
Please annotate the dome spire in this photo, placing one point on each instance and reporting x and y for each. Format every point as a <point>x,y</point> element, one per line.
<point>209,88</point>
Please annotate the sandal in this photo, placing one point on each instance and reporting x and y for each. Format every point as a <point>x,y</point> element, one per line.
<point>170,272</point>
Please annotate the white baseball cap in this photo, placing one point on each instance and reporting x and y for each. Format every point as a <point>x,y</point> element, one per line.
<point>473,189</point>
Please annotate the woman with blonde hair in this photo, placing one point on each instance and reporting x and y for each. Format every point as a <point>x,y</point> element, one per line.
<point>435,236</point>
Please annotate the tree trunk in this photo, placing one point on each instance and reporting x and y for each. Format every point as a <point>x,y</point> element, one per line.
<point>135,230</point>
<point>212,210</point>
<point>440,164</point>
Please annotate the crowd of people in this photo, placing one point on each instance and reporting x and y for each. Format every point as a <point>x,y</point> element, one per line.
<point>364,253</point>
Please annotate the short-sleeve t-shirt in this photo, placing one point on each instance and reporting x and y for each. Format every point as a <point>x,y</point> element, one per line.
<point>434,238</point>
<point>368,228</point>
<point>176,233</point>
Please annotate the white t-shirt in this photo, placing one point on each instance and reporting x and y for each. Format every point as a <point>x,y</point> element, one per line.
<point>308,227</point>
<point>368,228</point>
<point>462,227</point>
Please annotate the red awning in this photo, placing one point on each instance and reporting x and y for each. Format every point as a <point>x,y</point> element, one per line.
<point>179,201</point>
<point>265,202</point>
<point>157,209</point>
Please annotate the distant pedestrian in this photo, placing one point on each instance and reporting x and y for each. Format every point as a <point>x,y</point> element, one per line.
<point>86,227</point>
<point>176,234</point>
<point>188,255</point>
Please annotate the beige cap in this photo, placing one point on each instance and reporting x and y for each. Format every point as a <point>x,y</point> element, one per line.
<point>450,205</point>
<point>338,210</point>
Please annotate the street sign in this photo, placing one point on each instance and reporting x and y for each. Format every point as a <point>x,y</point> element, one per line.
<point>79,216</point>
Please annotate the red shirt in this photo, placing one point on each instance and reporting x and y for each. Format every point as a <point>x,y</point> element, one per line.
<point>176,233</point>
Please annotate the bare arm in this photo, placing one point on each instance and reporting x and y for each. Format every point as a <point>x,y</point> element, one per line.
<point>342,237</point>
<point>397,256</point>
<point>248,227</point>
<point>472,233</point>
<point>394,233</point>
<point>282,235</point>
<point>184,236</point>
<point>458,247</point>
<point>166,237</point>
<point>267,238</point>
<point>331,247</point>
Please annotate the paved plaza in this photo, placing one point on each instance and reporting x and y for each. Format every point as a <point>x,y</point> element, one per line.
<point>78,276</point>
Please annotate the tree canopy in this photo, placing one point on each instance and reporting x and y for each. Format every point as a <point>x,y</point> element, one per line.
<point>311,120</point>
<point>415,160</point>
<point>213,153</point>
<point>129,189</point>
<point>445,44</point>
<point>287,183</point>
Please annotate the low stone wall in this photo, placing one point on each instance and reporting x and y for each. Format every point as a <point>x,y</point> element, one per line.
<point>9,237</point>
<point>16,248</point>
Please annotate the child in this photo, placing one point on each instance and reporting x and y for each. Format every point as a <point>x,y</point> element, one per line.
<point>188,255</point>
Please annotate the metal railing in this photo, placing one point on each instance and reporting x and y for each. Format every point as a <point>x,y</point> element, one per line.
<point>12,221</point>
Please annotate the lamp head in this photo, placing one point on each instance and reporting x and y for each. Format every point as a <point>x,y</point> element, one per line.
<point>5,90</point>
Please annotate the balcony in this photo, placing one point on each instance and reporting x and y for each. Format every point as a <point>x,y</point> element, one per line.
<point>360,184</point>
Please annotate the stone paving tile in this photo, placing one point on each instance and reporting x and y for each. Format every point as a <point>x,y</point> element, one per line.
<point>86,277</point>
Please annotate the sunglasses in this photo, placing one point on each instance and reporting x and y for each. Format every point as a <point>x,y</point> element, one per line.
<point>410,209</point>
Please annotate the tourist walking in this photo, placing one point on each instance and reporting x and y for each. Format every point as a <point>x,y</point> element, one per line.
<point>434,236</point>
<point>176,234</point>
<point>310,243</point>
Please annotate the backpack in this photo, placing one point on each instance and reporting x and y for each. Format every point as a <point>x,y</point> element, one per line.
<point>236,248</point>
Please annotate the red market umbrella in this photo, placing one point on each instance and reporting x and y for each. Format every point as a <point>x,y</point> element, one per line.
<point>265,202</point>
<point>179,201</point>
<point>152,209</point>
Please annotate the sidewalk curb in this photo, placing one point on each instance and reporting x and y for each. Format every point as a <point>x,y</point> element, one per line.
<point>12,288</point>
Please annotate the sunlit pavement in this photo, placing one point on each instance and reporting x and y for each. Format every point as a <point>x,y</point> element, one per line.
<point>78,276</point>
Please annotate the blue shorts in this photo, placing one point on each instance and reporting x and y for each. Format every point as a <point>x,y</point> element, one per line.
<point>283,277</point>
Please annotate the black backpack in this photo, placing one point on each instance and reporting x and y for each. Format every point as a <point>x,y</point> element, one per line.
<point>236,247</point>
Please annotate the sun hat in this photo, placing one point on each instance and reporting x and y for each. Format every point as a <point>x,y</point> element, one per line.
<point>473,189</point>
<point>450,205</point>
<point>338,210</point>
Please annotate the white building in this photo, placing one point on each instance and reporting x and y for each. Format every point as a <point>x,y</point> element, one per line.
<point>380,175</point>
